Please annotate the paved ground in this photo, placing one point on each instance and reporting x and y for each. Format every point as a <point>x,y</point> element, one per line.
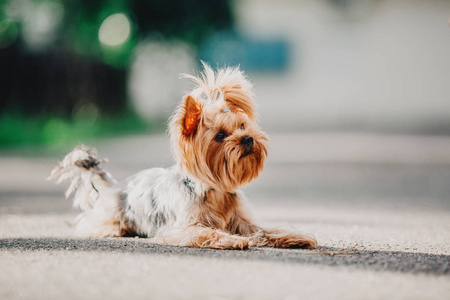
<point>379,206</point>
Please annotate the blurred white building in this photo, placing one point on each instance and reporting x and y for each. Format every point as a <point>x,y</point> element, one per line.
<point>357,65</point>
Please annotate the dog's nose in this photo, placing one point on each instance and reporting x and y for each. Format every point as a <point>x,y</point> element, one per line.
<point>247,141</point>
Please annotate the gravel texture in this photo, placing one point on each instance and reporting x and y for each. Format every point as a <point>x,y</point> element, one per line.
<point>378,205</point>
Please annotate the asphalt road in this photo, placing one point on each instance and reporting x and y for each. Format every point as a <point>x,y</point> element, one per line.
<point>379,206</point>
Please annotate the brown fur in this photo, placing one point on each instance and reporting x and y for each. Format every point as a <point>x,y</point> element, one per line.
<point>221,220</point>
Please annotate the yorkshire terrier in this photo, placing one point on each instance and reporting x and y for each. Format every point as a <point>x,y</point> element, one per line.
<point>218,147</point>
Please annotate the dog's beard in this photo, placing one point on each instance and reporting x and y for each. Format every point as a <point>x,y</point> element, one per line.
<point>225,165</point>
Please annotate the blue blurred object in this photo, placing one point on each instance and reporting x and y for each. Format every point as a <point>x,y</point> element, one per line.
<point>251,54</point>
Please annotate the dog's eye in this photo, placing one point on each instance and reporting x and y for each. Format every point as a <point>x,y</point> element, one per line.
<point>220,136</point>
<point>242,126</point>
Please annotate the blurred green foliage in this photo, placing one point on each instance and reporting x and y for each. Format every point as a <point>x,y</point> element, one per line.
<point>82,22</point>
<point>76,23</point>
<point>53,62</point>
<point>18,130</point>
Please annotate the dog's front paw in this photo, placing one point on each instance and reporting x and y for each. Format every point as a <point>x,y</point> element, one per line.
<point>223,241</point>
<point>286,239</point>
<point>202,237</point>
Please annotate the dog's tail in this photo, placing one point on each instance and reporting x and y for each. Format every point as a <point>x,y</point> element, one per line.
<point>88,180</point>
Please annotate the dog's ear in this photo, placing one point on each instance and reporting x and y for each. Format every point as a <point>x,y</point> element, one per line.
<point>238,98</point>
<point>192,112</point>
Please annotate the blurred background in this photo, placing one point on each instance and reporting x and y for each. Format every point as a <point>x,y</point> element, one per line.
<point>355,97</point>
<point>73,70</point>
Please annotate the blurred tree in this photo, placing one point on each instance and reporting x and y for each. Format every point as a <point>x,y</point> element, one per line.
<point>57,55</point>
<point>190,20</point>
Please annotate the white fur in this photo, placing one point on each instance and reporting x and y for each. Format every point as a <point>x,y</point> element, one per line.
<point>150,202</point>
<point>81,188</point>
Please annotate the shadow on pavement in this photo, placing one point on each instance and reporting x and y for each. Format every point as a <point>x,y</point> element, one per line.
<point>373,260</point>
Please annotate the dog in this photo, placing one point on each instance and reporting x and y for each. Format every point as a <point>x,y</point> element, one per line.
<point>218,147</point>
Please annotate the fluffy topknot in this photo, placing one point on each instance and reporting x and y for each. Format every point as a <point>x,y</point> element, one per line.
<point>226,84</point>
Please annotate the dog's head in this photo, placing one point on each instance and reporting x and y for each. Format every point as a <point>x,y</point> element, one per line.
<point>215,133</point>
